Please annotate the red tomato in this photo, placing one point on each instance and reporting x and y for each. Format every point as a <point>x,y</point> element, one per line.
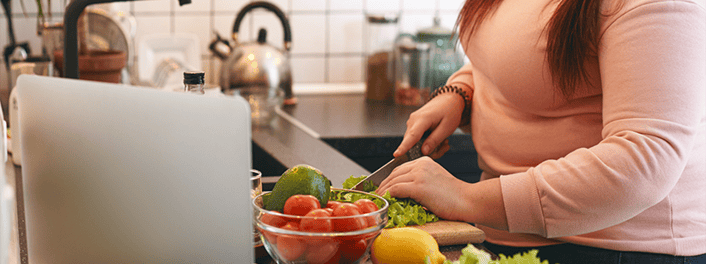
<point>352,251</point>
<point>366,206</point>
<point>329,210</point>
<point>300,204</point>
<point>290,247</point>
<point>323,252</point>
<point>273,220</point>
<point>317,220</point>
<point>348,224</point>
<point>332,204</point>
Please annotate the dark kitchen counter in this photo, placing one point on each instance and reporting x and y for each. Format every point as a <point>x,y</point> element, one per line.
<point>344,135</point>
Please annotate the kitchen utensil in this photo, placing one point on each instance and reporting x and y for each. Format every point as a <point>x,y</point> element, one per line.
<point>382,29</point>
<point>381,174</point>
<point>256,63</point>
<point>453,232</point>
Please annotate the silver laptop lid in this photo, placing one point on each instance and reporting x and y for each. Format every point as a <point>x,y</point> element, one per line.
<point>121,174</point>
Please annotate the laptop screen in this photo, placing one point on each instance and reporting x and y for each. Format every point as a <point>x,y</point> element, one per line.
<point>121,174</point>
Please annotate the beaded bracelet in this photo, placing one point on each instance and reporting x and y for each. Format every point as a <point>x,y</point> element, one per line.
<point>466,114</point>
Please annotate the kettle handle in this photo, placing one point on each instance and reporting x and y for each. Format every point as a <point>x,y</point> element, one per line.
<point>274,9</point>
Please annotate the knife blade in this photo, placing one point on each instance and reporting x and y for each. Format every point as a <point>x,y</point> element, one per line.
<point>381,174</point>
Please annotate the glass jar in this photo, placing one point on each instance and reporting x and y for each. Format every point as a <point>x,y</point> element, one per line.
<point>412,82</point>
<point>381,33</point>
<point>444,58</point>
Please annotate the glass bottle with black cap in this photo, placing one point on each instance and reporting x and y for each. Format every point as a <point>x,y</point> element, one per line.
<point>194,82</point>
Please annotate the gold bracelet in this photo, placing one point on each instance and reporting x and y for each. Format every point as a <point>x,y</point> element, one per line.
<point>466,114</point>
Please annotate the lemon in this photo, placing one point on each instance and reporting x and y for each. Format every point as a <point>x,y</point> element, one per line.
<point>405,245</point>
<point>300,179</point>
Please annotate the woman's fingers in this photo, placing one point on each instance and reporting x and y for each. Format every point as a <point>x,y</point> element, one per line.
<point>440,150</point>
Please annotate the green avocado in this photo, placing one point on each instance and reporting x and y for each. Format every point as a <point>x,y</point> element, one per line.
<point>300,179</point>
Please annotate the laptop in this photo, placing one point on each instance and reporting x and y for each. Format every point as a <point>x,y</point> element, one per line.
<point>120,174</point>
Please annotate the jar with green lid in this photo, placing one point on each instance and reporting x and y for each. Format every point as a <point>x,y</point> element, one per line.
<point>444,58</point>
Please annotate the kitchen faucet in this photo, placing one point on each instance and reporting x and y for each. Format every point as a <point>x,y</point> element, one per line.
<point>73,11</point>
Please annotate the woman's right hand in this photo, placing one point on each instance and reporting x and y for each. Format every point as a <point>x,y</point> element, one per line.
<point>441,116</point>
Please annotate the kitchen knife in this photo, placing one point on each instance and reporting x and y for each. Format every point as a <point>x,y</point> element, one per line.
<point>381,174</point>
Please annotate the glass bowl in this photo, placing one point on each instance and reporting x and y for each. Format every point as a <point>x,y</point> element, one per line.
<point>284,241</point>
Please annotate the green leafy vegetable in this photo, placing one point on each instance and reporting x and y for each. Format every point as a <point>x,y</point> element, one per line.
<point>401,212</point>
<point>472,255</point>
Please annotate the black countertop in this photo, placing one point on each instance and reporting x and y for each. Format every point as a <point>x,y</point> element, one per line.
<point>344,135</point>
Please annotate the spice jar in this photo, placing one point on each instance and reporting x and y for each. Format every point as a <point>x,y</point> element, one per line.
<point>412,82</point>
<point>381,33</point>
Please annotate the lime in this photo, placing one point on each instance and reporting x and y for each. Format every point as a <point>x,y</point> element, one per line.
<point>300,179</point>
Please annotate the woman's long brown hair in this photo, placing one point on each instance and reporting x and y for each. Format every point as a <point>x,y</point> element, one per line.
<point>572,36</point>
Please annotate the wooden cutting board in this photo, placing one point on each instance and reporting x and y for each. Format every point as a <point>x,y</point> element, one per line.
<point>453,232</point>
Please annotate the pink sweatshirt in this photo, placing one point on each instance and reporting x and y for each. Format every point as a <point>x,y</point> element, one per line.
<point>621,165</point>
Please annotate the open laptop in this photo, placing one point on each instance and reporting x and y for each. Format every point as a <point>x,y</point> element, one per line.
<point>121,174</point>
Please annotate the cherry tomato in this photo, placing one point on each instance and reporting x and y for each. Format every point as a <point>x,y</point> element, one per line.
<point>317,220</point>
<point>323,252</point>
<point>273,220</point>
<point>290,247</point>
<point>329,210</point>
<point>352,251</point>
<point>349,223</point>
<point>332,204</point>
<point>366,206</point>
<point>300,204</point>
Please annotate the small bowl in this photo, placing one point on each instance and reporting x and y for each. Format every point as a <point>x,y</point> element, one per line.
<point>292,246</point>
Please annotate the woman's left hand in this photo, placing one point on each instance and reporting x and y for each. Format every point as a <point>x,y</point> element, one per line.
<point>428,183</point>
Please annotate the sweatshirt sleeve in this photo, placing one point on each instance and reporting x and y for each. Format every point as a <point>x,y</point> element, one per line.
<point>652,60</point>
<point>463,78</point>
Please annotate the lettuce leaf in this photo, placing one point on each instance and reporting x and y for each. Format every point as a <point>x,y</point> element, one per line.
<point>400,213</point>
<point>472,255</point>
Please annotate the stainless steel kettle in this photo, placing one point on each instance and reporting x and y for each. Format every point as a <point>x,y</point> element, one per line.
<point>255,63</point>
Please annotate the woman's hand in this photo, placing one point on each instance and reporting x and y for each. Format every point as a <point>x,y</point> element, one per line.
<point>426,182</point>
<point>442,115</point>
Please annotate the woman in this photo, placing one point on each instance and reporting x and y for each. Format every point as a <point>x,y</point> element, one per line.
<point>589,119</point>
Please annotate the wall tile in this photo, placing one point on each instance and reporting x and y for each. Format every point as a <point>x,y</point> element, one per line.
<point>154,6</point>
<point>308,69</point>
<point>308,33</point>
<point>411,23</point>
<point>229,6</point>
<point>452,5</point>
<point>383,5</point>
<point>147,25</point>
<point>419,5</point>
<point>346,5</point>
<point>197,25</point>
<point>346,33</point>
<point>309,5</point>
<point>347,69</point>
<point>196,6</point>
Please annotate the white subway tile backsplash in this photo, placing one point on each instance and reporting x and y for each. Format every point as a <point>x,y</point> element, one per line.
<point>328,38</point>
<point>154,6</point>
<point>199,6</point>
<point>308,69</point>
<point>147,25</point>
<point>308,33</point>
<point>418,5</point>
<point>309,5</point>
<point>195,24</point>
<point>346,33</point>
<point>228,6</point>
<point>346,5</point>
<point>383,5</point>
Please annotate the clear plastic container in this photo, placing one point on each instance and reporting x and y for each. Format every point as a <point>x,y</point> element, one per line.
<point>381,33</point>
